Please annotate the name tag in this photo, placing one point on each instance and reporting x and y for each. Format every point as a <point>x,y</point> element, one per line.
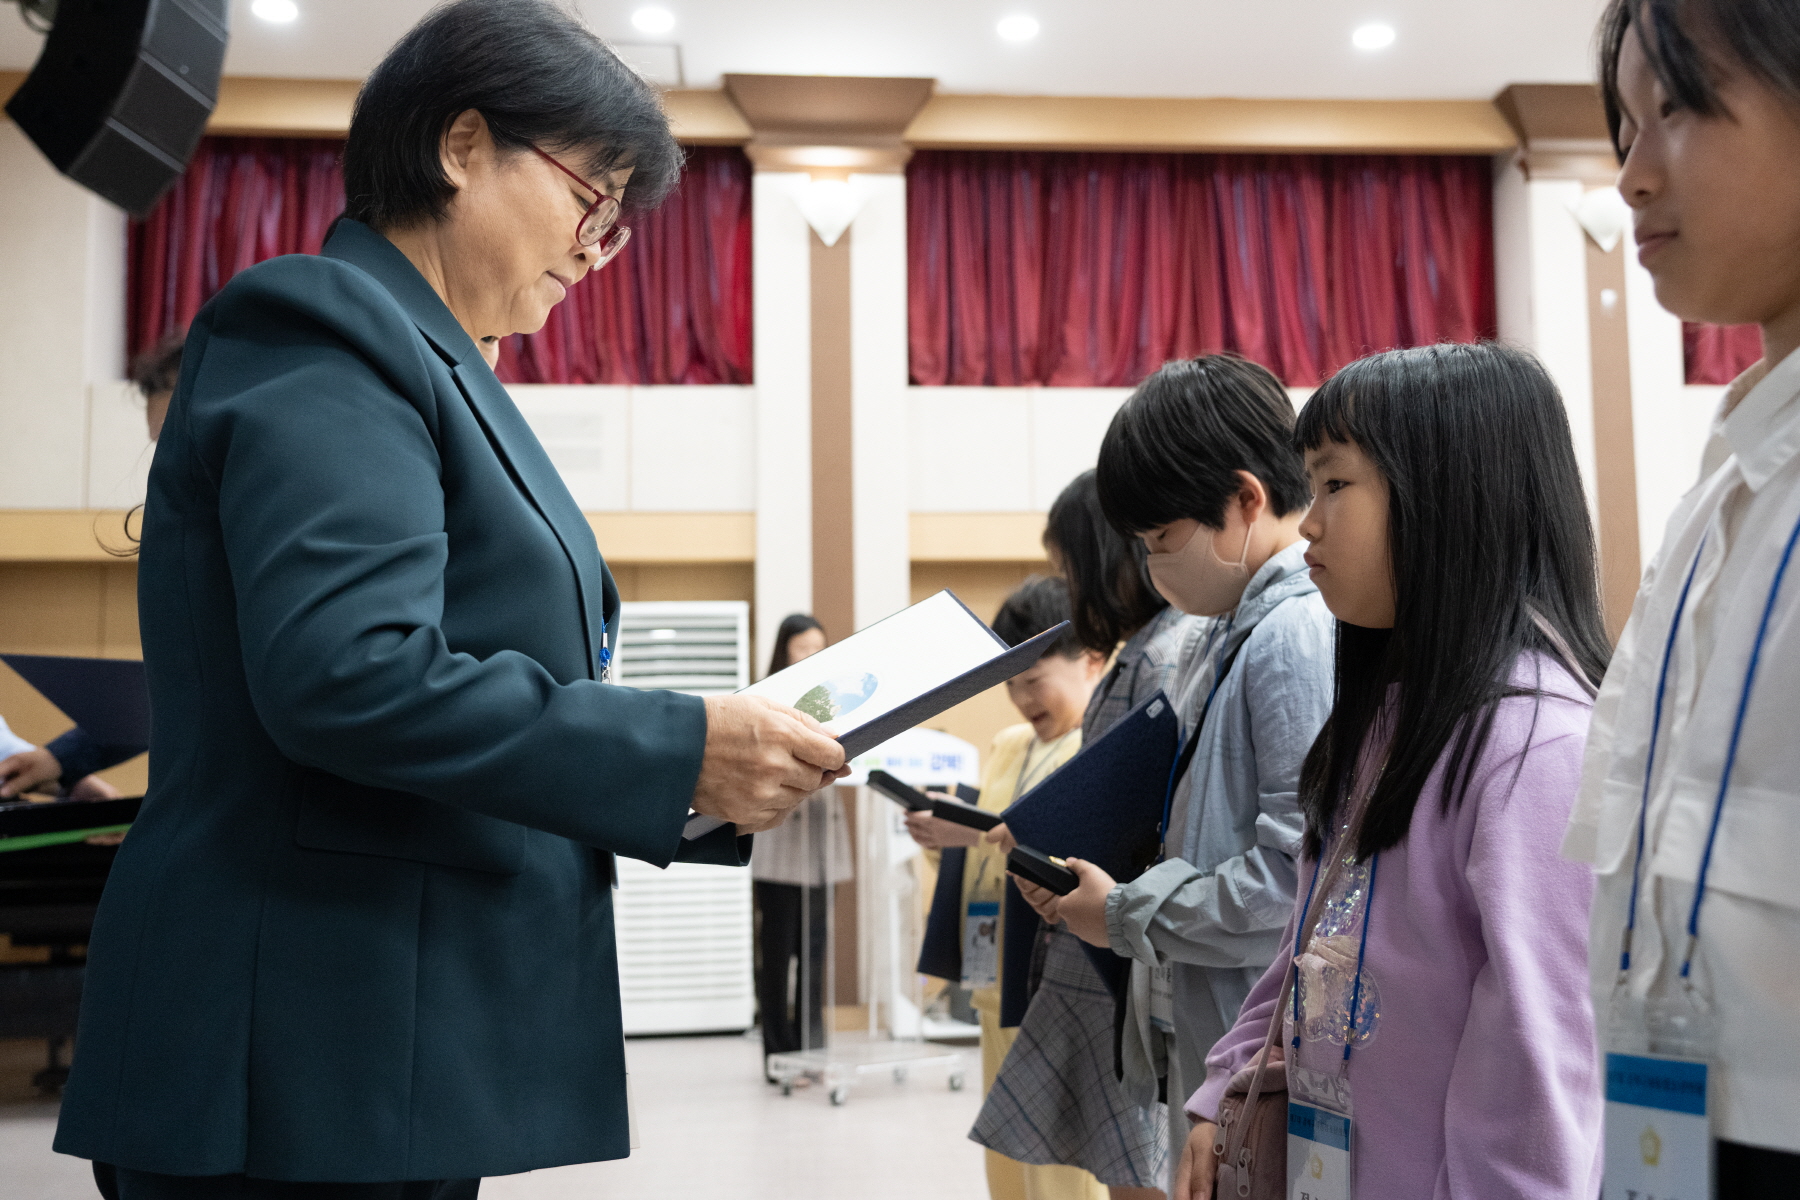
<point>1318,1157</point>
<point>981,944</point>
<point>1658,1140</point>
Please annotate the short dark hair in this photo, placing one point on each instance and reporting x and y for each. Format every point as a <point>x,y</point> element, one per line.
<point>1034,606</point>
<point>1762,35</point>
<point>1109,594</point>
<point>1487,526</point>
<point>1174,449</point>
<point>537,76</point>
<point>157,369</point>
<point>791,627</point>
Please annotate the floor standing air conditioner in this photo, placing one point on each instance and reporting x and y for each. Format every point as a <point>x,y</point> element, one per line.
<point>684,934</point>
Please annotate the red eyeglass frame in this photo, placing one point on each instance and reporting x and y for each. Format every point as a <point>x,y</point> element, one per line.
<point>608,247</point>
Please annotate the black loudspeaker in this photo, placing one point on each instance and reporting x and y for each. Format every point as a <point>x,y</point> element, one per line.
<point>121,93</point>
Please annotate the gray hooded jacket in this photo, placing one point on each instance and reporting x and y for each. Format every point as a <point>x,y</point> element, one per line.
<point>1216,906</point>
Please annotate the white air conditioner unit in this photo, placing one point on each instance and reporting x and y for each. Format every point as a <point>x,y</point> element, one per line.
<point>684,934</point>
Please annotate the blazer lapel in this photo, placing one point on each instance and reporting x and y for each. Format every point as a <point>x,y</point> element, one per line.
<point>538,479</point>
<point>507,431</point>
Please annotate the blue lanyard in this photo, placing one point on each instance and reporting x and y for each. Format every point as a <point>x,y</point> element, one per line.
<point>1737,730</point>
<point>1662,685</point>
<point>1181,751</point>
<point>1362,950</point>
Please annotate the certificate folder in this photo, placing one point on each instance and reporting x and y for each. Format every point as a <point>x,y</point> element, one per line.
<point>107,697</point>
<point>905,795</point>
<point>897,673</point>
<point>1105,804</point>
<point>940,951</point>
<point>900,671</point>
<point>956,812</point>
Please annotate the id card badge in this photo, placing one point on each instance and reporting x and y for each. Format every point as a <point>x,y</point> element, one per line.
<point>1319,1130</point>
<point>1162,997</point>
<point>1658,1113</point>
<point>981,944</point>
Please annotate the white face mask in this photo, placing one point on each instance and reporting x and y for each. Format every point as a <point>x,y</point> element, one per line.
<point>1196,580</point>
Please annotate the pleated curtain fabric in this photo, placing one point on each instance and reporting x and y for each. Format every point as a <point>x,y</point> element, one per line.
<point>1093,269</point>
<point>674,308</point>
<point>240,201</point>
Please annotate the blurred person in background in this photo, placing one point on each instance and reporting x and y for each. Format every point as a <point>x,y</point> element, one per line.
<point>155,372</point>
<point>1052,696</point>
<point>67,765</point>
<point>795,868</point>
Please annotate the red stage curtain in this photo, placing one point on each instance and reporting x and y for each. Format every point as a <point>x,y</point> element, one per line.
<point>1720,353</point>
<point>241,200</point>
<point>1095,269</point>
<point>673,308</point>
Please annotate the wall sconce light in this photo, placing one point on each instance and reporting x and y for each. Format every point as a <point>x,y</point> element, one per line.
<point>1605,216</point>
<point>830,205</point>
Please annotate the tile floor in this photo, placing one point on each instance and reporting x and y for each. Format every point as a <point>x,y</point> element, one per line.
<point>712,1130</point>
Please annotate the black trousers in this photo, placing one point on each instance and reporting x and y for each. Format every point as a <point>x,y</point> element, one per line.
<point>123,1183</point>
<point>1752,1173</point>
<point>790,989</point>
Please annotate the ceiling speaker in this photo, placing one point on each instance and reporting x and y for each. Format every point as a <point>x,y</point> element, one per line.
<point>121,93</point>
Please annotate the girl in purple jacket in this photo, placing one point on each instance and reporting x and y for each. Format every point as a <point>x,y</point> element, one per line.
<point>1438,1041</point>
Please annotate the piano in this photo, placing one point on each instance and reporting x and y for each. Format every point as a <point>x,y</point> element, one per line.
<point>54,859</point>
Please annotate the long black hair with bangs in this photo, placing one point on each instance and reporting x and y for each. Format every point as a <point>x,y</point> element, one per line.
<point>1489,534</point>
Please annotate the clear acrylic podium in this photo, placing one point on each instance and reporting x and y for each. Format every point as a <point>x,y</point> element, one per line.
<point>889,928</point>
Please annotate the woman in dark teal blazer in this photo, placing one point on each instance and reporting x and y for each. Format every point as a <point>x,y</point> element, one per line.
<point>362,931</point>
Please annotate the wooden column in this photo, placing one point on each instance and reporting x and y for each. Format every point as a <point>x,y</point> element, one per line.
<point>833,511</point>
<point>1615,454</point>
<point>1563,139</point>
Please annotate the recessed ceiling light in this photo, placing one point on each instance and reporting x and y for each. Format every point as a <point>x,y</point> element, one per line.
<point>1374,36</point>
<point>653,20</point>
<point>278,12</point>
<point>1017,28</point>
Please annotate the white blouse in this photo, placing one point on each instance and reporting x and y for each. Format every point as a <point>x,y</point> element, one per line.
<point>1730,532</point>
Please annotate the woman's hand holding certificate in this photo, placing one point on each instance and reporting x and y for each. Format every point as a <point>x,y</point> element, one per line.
<point>761,759</point>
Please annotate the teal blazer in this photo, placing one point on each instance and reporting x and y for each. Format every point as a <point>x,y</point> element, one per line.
<point>362,930</point>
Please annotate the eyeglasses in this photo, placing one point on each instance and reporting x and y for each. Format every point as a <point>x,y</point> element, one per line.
<point>602,215</point>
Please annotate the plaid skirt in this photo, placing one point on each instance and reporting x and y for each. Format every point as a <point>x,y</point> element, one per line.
<point>1056,1100</point>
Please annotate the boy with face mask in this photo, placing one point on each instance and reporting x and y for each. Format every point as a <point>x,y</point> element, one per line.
<point>1199,463</point>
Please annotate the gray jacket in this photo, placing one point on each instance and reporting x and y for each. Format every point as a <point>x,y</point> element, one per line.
<point>1217,905</point>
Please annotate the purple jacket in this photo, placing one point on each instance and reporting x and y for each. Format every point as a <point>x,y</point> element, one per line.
<point>1473,1066</point>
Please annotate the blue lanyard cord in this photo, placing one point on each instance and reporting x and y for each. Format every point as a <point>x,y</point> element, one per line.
<point>1662,684</point>
<point>1737,729</point>
<point>1362,948</point>
<point>1298,930</point>
<point>1181,750</point>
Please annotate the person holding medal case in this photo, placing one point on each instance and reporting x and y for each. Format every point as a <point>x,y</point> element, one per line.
<point>1688,804</point>
<point>1427,1014</point>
